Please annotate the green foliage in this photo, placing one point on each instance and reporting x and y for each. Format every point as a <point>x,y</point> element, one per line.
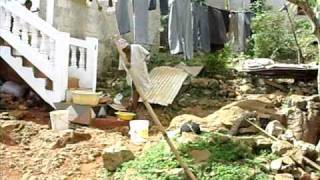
<point>214,63</point>
<point>259,6</point>
<point>229,160</point>
<point>217,62</point>
<point>272,37</point>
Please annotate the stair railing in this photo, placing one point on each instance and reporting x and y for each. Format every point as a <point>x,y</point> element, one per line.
<point>50,48</point>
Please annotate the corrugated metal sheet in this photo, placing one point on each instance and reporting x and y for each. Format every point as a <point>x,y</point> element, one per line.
<point>166,84</point>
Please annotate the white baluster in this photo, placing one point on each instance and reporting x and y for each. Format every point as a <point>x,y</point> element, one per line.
<point>44,45</point>
<point>7,21</point>
<point>16,26</point>
<point>34,38</point>
<point>25,32</point>
<point>2,17</point>
<point>73,59</point>
<point>52,51</point>
<point>82,63</point>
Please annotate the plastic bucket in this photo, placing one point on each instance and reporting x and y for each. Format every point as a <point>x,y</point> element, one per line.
<point>139,131</point>
<point>59,120</point>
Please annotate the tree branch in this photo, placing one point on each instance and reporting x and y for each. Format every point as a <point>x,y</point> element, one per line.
<point>304,5</point>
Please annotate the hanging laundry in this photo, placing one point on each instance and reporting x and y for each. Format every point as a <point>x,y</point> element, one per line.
<point>122,16</point>
<point>180,28</point>
<point>226,19</point>
<point>217,29</point>
<point>241,30</point>
<point>140,21</point>
<point>164,7</point>
<point>201,36</point>
<point>152,5</point>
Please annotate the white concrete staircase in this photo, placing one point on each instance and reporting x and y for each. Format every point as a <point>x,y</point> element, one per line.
<point>27,74</point>
<point>51,53</point>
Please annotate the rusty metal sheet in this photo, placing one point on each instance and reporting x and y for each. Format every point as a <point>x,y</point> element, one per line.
<point>166,84</point>
<point>192,70</point>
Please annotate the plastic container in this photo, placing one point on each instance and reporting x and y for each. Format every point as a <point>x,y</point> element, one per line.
<point>126,116</point>
<point>139,131</point>
<point>83,97</point>
<point>59,120</point>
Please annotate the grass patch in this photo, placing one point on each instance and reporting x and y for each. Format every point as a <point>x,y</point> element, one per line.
<point>229,161</point>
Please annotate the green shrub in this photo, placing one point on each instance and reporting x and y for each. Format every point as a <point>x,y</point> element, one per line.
<point>217,62</point>
<point>272,37</point>
<point>229,160</point>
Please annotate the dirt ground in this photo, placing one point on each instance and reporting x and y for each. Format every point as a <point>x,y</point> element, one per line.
<point>29,151</point>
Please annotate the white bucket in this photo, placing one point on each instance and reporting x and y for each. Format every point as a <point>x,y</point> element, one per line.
<point>59,120</point>
<point>139,131</point>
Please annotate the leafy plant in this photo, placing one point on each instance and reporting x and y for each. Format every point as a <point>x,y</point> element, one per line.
<point>217,62</point>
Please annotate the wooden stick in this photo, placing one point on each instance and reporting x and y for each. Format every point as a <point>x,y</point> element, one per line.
<point>307,160</point>
<point>156,120</point>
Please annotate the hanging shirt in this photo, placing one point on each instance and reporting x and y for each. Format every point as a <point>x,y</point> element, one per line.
<point>180,28</point>
<point>139,68</point>
<point>140,21</point>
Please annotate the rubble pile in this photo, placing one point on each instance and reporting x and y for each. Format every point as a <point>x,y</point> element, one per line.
<point>293,120</point>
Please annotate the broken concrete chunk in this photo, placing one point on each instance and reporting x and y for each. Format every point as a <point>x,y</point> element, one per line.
<point>284,176</point>
<point>276,164</point>
<point>114,156</point>
<point>263,142</point>
<point>275,128</point>
<point>288,161</point>
<point>308,149</point>
<point>281,147</point>
<point>287,136</point>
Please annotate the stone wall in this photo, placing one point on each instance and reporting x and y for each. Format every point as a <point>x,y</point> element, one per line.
<point>81,20</point>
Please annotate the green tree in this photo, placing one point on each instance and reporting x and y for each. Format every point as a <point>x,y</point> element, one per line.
<point>310,7</point>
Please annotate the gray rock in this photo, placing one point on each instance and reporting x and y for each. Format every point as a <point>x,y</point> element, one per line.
<point>114,156</point>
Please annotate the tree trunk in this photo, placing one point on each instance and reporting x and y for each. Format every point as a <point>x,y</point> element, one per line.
<point>318,38</point>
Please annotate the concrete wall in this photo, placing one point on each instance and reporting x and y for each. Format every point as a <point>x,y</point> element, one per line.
<point>81,20</point>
